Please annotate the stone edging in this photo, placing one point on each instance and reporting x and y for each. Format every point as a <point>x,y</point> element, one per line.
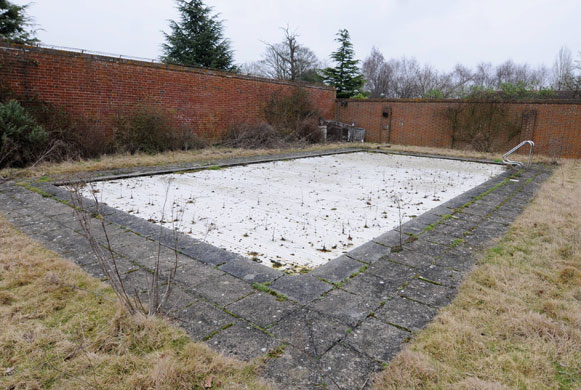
<point>302,288</point>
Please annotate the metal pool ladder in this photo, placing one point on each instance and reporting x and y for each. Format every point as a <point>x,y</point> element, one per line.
<point>506,160</point>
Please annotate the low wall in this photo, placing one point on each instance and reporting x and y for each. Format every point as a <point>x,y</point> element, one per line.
<point>98,88</point>
<point>554,126</point>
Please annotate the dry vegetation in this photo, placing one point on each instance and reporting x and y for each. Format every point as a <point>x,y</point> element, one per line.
<point>516,322</point>
<point>62,329</point>
<point>117,161</point>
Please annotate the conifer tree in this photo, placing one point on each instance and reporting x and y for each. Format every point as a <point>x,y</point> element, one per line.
<point>197,39</point>
<point>14,23</point>
<point>345,76</point>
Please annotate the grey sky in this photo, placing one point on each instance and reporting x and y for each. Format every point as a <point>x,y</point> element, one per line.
<point>440,32</point>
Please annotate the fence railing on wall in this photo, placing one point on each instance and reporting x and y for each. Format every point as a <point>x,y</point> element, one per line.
<point>98,53</point>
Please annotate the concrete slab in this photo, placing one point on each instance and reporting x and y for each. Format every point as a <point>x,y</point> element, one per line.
<point>347,368</point>
<point>201,319</point>
<point>310,332</point>
<point>377,339</point>
<point>262,309</point>
<point>405,313</point>
<point>338,269</point>
<point>243,341</point>
<point>428,293</point>
<point>300,288</point>
<point>223,290</point>
<point>346,307</point>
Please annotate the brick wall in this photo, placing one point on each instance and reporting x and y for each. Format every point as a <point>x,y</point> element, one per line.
<point>554,126</point>
<point>98,88</point>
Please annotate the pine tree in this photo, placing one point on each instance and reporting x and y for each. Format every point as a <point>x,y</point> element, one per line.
<point>196,39</point>
<point>346,76</point>
<point>14,23</point>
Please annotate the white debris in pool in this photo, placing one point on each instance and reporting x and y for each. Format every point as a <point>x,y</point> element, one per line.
<point>297,213</point>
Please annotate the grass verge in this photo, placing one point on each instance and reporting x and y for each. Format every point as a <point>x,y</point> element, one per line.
<point>62,329</point>
<point>516,322</point>
<point>118,161</point>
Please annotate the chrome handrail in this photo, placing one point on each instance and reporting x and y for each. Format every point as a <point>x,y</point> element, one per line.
<point>506,160</point>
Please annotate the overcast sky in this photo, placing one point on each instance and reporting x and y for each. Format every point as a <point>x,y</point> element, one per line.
<point>439,32</point>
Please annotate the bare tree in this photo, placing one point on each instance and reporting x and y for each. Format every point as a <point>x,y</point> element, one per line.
<point>403,78</point>
<point>563,69</point>
<point>406,78</point>
<point>286,60</point>
<point>252,69</point>
<point>567,73</point>
<point>377,74</point>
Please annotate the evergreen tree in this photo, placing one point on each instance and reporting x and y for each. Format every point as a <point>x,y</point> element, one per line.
<point>196,39</point>
<point>346,76</point>
<point>14,23</point>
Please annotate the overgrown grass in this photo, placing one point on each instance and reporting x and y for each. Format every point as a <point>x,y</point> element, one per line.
<point>116,161</point>
<point>210,154</point>
<point>62,329</point>
<point>516,322</point>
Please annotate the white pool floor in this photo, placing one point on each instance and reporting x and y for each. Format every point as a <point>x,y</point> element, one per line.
<point>296,213</point>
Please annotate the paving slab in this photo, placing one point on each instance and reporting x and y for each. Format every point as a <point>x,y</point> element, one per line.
<point>300,288</point>
<point>223,290</point>
<point>348,369</point>
<point>391,271</point>
<point>310,332</point>
<point>428,293</point>
<point>243,341</point>
<point>405,313</point>
<point>345,306</point>
<point>417,258</point>
<point>294,370</point>
<point>250,271</point>
<point>369,285</point>
<point>262,309</point>
<point>377,339</point>
<point>370,252</point>
<point>338,269</point>
<point>381,281</point>
<point>201,319</point>
<point>192,273</point>
<point>444,235</point>
<point>442,275</point>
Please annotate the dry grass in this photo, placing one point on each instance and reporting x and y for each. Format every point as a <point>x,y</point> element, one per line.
<point>117,161</point>
<point>214,153</point>
<point>62,329</point>
<point>516,322</point>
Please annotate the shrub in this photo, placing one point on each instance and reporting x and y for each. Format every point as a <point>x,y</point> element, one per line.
<point>294,117</point>
<point>308,131</point>
<point>144,130</point>
<point>75,137</point>
<point>253,136</point>
<point>185,138</point>
<point>22,139</point>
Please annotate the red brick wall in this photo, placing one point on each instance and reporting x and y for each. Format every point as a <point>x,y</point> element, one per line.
<point>554,126</point>
<point>98,88</point>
